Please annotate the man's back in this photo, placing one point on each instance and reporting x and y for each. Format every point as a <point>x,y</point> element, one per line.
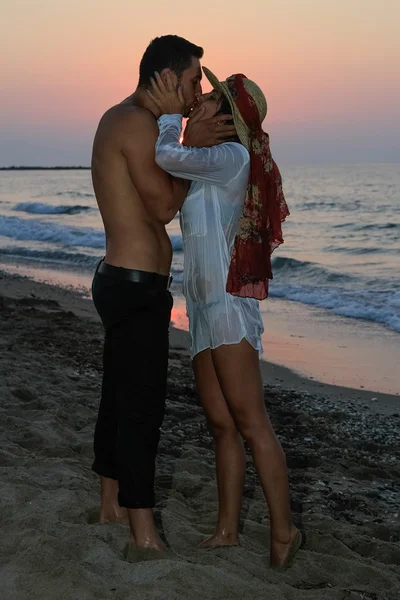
<point>122,172</point>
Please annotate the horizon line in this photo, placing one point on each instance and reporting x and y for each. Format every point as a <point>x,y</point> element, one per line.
<point>38,168</point>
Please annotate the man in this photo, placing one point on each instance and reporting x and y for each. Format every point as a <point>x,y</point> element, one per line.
<point>130,288</point>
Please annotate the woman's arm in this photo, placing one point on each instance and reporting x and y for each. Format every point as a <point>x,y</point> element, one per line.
<point>217,165</point>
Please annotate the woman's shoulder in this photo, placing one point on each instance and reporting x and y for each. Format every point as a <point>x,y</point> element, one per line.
<point>238,150</point>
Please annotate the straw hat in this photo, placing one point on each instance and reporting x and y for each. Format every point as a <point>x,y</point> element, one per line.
<point>253,90</point>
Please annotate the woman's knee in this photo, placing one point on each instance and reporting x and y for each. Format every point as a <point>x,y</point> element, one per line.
<point>261,437</point>
<point>254,430</point>
<point>223,430</point>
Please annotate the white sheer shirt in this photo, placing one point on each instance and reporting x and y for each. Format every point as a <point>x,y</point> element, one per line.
<point>209,220</point>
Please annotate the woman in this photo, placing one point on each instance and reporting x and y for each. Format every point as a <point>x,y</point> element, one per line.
<point>230,224</point>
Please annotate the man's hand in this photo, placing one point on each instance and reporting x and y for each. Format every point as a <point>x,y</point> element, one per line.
<point>203,133</point>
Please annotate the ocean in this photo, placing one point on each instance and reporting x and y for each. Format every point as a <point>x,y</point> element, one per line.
<point>342,239</point>
<point>341,256</point>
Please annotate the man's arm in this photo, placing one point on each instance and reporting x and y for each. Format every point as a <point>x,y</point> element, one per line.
<point>161,194</point>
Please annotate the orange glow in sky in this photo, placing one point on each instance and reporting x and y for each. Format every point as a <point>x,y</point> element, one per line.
<point>326,66</point>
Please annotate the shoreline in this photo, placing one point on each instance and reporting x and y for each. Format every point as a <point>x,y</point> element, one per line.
<point>20,286</point>
<point>342,454</point>
<point>332,315</point>
<point>285,347</point>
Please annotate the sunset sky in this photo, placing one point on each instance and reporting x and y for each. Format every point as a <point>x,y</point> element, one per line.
<point>330,70</point>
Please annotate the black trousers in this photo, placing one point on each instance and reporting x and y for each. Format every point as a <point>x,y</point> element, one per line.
<point>136,319</point>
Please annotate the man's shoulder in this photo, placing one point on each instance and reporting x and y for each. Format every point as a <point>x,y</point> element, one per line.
<point>124,127</point>
<point>129,117</point>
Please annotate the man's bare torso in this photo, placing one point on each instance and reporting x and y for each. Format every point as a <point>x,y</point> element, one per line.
<point>134,238</point>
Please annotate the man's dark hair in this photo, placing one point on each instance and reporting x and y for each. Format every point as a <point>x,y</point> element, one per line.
<point>167,52</point>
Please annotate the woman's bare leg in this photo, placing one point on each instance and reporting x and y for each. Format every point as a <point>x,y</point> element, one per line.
<point>238,370</point>
<point>229,452</point>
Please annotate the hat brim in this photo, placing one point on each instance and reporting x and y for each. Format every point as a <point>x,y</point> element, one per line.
<point>241,127</point>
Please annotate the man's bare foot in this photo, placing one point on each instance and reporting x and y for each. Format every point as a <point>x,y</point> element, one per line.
<point>110,511</point>
<point>154,543</point>
<point>282,553</point>
<point>133,553</point>
<point>144,534</point>
<point>219,539</point>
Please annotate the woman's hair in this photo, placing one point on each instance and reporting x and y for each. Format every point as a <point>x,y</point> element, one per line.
<point>225,109</point>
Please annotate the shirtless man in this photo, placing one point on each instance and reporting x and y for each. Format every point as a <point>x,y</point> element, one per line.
<point>131,286</point>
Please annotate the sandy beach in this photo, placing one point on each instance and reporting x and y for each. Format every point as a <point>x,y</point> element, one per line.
<point>342,449</point>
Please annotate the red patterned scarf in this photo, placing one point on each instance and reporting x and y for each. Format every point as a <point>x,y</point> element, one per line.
<point>265,208</point>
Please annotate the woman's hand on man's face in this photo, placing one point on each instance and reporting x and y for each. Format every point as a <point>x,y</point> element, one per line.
<point>166,94</point>
<point>203,133</point>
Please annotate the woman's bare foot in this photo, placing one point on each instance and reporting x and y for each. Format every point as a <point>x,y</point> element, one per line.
<point>282,553</point>
<point>219,539</point>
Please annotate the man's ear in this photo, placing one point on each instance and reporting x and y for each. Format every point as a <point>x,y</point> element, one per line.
<point>172,74</point>
<point>164,72</point>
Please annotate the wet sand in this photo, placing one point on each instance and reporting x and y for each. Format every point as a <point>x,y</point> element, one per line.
<point>342,449</point>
